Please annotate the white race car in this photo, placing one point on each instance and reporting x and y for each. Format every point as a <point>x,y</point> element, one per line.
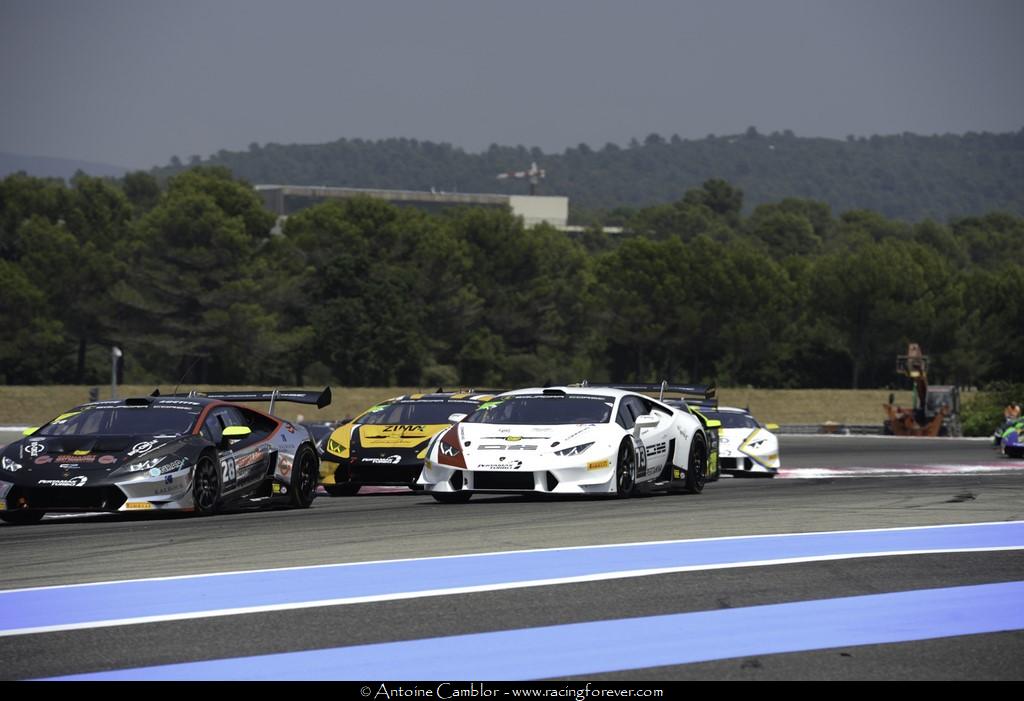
<point>745,446</point>
<point>571,440</point>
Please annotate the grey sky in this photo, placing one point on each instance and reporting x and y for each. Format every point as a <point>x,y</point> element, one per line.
<point>133,82</point>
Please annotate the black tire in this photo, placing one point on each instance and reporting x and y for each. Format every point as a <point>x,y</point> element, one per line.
<point>342,490</point>
<point>206,486</point>
<point>22,518</point>
<point>305,474</point>
<point>625,471</point>
<point>452,497</point>
<point>697,466</point>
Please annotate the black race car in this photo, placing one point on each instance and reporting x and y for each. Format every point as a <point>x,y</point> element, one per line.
<point>162,453</point>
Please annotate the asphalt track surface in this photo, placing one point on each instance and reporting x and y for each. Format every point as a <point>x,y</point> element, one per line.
<point>879,594</point>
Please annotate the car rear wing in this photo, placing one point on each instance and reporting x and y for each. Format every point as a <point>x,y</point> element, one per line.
<point>704,392</point>
<point>298,396</point>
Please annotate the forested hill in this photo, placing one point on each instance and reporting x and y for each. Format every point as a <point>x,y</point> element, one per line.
<point>906,176</point>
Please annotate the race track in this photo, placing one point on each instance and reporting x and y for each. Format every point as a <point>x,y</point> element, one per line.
<point>844,578</point>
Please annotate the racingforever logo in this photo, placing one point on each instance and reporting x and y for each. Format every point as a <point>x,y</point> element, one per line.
<point>73,482</point>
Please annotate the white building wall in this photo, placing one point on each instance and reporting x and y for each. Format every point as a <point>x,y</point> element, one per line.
<point>536,210</point>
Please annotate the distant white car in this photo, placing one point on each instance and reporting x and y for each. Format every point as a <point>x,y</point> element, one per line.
<point>570,440</point>
<point>745,446</point>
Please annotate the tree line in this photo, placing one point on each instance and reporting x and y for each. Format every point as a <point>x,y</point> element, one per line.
<point>903,176</point>
<point>188,279</point>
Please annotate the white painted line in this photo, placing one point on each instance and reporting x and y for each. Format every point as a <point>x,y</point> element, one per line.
<point>567,548</point>
<point>500,586</point>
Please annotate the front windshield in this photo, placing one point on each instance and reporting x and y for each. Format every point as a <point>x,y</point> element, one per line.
<point>732,419</point>
<point>122,421</point>
<point>416,411</point>
<point>550,409</point>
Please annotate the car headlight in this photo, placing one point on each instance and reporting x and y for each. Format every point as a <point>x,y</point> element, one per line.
<point>155,466</point>
<point>575,450</point>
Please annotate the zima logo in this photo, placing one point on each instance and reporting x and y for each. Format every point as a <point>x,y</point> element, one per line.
<point>34,449</point>
<point>402,428</point>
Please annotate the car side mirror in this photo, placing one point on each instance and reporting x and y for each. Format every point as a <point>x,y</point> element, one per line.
<point>714,423</point>
<point>30,430</point>
<point>646,421</point>
<point>235,433</point>
<point>456,418</point>
<point>772,427</point>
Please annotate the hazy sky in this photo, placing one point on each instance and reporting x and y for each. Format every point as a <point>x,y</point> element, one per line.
<point>133,82</point>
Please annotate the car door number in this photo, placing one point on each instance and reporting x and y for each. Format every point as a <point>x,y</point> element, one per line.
<point>228,467</point>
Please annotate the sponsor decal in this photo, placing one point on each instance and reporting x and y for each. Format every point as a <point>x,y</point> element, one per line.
<point>289,428</point>
<point>154,472</point>
<point>145,464</point>
<point>500,446</point>
<point>284,465</point>
<point>106,459</point>
<point>597,464</point>
<point>142,448</point>
<point>78,481</point>
<point>247,461</point>
<point>402,428</point>
<point>513,465</point>
<point>43,460</point>
<point>77,458</point>
<point>70,466</point>
<point>172,466</point>
<point>10,465</point>
<point>389,460</point>
<point>133,505</point>
<point>183,402</point>
<point>276,488</point>
<point>656,449</point>
<point>35,449</point>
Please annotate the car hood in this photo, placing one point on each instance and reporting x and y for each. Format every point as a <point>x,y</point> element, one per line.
<point>484,437</point>
<point>83,452</point>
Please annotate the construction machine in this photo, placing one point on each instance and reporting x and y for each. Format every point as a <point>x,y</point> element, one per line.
<point>936,410</point>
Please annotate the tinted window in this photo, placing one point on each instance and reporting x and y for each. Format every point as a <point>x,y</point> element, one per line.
<point>732,419</point>
<point>545,409</point>
<point>122,420</point>
<point>417,411</point>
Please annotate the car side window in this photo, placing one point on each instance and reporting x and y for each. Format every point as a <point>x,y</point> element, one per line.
<point>260,425</point>
<point>636,408</point>
<point>213,428</point>
<point>623,417</point>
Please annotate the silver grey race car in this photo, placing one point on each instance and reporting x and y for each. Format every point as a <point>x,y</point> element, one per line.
<point>162,453</point>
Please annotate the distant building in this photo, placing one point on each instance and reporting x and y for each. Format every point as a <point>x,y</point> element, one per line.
<point>288,199</point>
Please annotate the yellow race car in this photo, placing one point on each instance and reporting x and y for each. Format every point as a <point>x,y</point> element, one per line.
<point>387,443</point>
